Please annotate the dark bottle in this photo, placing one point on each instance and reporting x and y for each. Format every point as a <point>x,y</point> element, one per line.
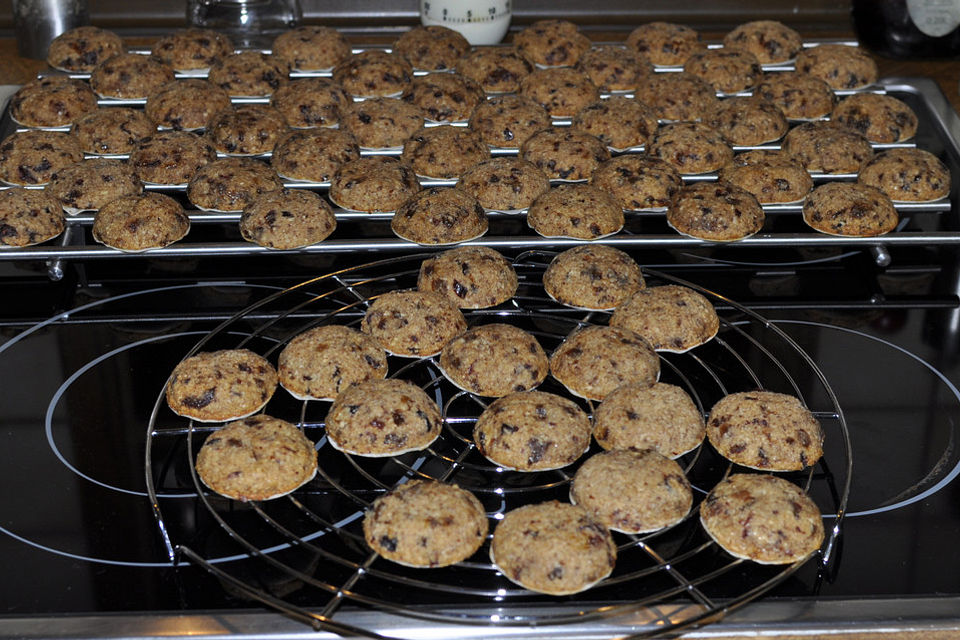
<point>909,28</point>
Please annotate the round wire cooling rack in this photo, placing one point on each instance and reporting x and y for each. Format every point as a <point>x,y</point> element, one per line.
<point>304,554</point>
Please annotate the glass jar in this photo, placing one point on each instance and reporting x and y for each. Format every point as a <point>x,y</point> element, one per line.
<point>909,28</point>
<point>248,23</point>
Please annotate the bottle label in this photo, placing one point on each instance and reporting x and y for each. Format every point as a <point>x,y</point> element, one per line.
<point>935,18</point>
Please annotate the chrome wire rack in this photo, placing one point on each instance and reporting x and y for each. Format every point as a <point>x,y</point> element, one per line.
<point>304,554</point>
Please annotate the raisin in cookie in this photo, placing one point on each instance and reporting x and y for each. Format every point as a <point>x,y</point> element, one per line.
<point>508,121</point>
<point>726,70</point>
<point>231,184</point>
<point>413,323</point>
<point>532,431</point>
<point>379,123</point>
<point>493,360</point>
<point>620,123</point>
<point>470,277</point>
<point>141,222</point>
<point>615,68</point>
<point>29,217</point>
<point>373,183</point>
<point>907,175</point>
<point>670,317</point>
<point>552,43</point>
<point>880,118</point>
<point>257,458</point>
<point>287,219</point>
<point>444,152</point>
<point>431,48</point>
<point>577,211</point>
<point>250,74</point>
<point>129,76</point>
<point>762,518</point>
<point>638,182</point>
<point>313,155</point>
<point>765,430</point>
<point>593,361</point>
<point>827,147</point>
<point>90,184</point>
<point>562,92</point>
<point>592,276</point>
<point>677,96</point>
<point>32,157</point>
<point>565,154</point>
<point>771,176</point>
<point>747,121</point>
<point>799,96</point>
<point>445,97</point>
<point>426,524</point>
<point>379,418</point>
<point>191,49</point>
<point>840,66</point>
<point>632,491</point>
<point>639,416</point>
<point>320,363</point>
<point>373,73</point>
<point>440,215</point>
<point>504,183</point>
<point>552,548</point>
<point>690,147</point>
<point>186,105</point>
<point>171,157</point>
<point>81,49</point>
<point>310,102</point>
<point>715,211</point>
<point>112,130</point>
<point>770,41</point>
<point>850,209</point>
<point>217,386</point>
<point>495,69</point>
<point>665,43</point>
<point>53,101</point>
<point>312,47</point>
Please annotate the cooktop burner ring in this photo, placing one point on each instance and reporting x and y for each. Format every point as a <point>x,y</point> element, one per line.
<point>357,576</point>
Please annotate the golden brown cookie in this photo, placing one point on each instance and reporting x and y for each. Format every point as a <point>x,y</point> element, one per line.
<point>257,458</point>
<point>639,416</point>
<point>32,157</point>
<point>426,524</point>
<point>373,183</point>
<point>141,222</point>
<point>565,154</point>
<point>53,101</point>
<point>29,217</point>
<point>186,105</point>
<point>726,70</point>
<point>217,386</point>
<point>113,130</point>
<point>495,69</point>
<point>827,147</point>
<point>762,518</point>
<point>620,123</point>
<point>765,430</point>
<point>690,147</point>
<point>799,96</point>
<point>638,182</point>
<point>632,491</point>
<point>880,118</point>
<point>670,317</point>
<point>374,73</point>
<point>171,157</point>
<point>552,43</point>
<point>593,361</point>
<point>246,129</point>
<point>444,152</point>
<point>470,277</point>
<point>592,276</point>
<point>413,323</point>
<point>771,176</point>
<point>840,66</point>
<point>532,431</point>
<point>677,96</point>
<point>318,364</point>
<point>313,155</point>
<point>190,49</point>
<point>504,183</point>
<point>431,48</point>
<point>770,41</point>
<point>715,211</point>
<point>850,209</point>
<point>311,47</point>
<point>438,216</point>
<point>552,548</point>
<point>88,185</point>
<point>563,92</point>
<point>665,43</point>
<point>129,75</point>
<point>445,97</point>
<point>310,102</point>
<point>379,418</point>
<point>81,49</point>
<point>231,184</point>
<point>747,121</point>
<point>615,68</point>
<point>494,360</point>
<point>509,120</point>
<point>379,123</point>
<point>907,175</point>
<point>250,74</point>
<point>287,219</point>
<point>575,211</point>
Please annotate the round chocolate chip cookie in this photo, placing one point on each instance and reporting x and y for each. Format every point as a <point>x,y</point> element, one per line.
<point>504,183</point>
<point>715,211</point>
<point>593,361</point>
<point>287,219</point>
<point>413,323</point>
<point>470,277</point>
<point>29,217</point>
<point>373,183</point>
<point>670,317</point>
<point>494,360</point>
<point>431,48</point>
<point>141,222</point>
<point>186,105</point>
<point>320,363</point>
<point>577,211</point>
<point>217,386</point>
<point>850,209</point>
<point>440,215</point>
<point>592,276</point>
